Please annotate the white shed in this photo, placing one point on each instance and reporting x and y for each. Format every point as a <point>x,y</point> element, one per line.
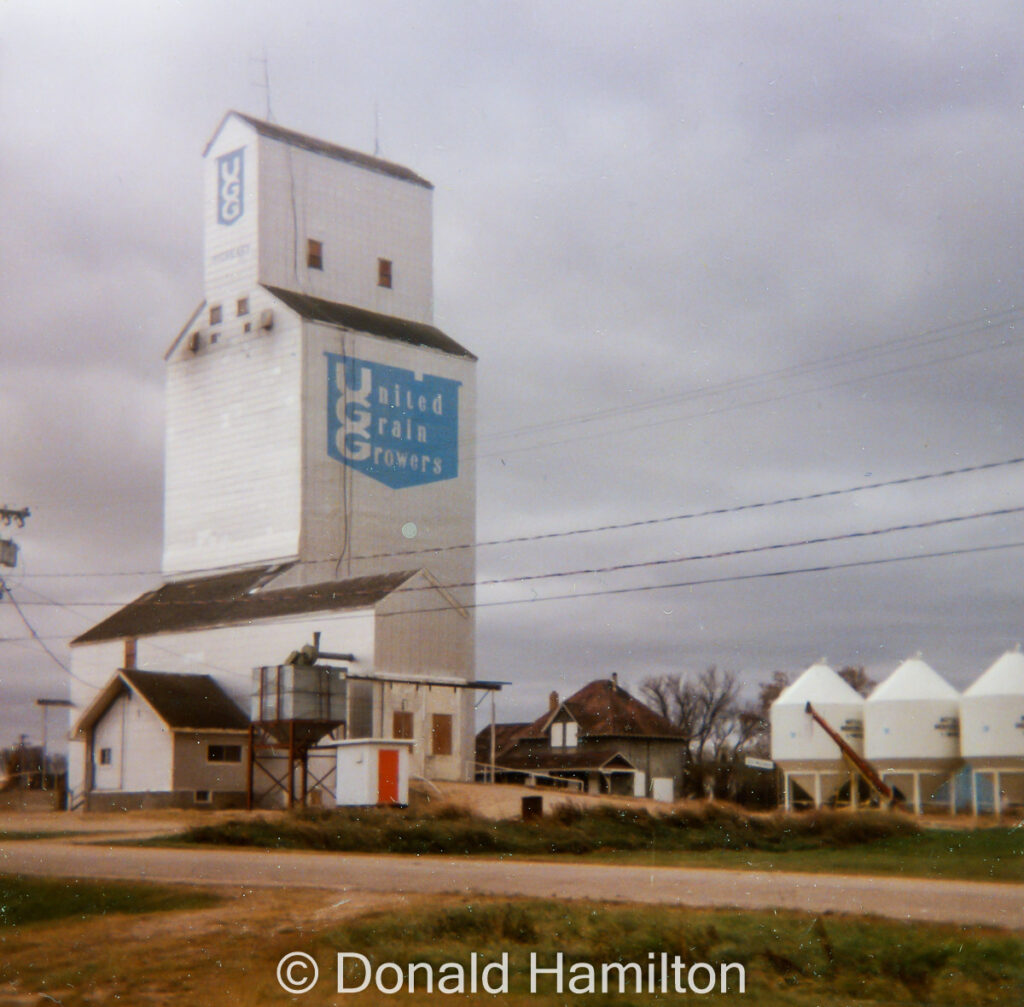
<point>372,771</point>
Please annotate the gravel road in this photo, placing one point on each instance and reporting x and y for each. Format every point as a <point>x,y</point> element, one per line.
<point>961,902</point>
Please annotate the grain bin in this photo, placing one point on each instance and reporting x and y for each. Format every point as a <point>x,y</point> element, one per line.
<point>992,731</point>
<point>801,748</point>
<point>912,731</point>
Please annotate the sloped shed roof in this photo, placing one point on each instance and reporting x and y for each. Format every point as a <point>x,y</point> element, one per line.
<point>818,684</point>
<point>593,757</point>
<point>316,309</point>
<point>505,736</point>
<point>236,597</point>
<point>913,679</point>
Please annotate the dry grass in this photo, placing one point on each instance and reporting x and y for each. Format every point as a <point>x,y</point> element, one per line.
<point>228,955</point>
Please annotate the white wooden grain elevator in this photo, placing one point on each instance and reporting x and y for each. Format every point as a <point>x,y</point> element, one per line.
<point>317,476</point>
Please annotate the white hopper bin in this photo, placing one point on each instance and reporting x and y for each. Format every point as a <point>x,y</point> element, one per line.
<point>912,731</point>
<point>992,730</point>
<point>801,748</point>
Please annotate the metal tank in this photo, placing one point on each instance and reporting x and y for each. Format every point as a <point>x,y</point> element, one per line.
<point>992,731</point>
<point>912,732</point>
<point>802,749</point>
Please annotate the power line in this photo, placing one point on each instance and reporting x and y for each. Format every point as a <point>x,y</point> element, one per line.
<point>712,511</point>
<point>639,565</point>
<point>38,639</point>
<point>639,523</point>
<point>732,578</point>
<point>971,326</point>
<point>746,405</point>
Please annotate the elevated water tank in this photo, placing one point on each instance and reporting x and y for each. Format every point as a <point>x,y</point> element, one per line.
<point>306,700</point>
<point>801,748</point>
<point>992,729</point>
<point>912,731</point>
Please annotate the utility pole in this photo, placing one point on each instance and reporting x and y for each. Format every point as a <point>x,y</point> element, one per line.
<point>45,705</point>
<point>8,547</point>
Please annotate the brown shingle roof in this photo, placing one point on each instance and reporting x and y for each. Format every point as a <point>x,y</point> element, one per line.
<point>236,597</point>
<point>505,736</point>
<point>274,132</point>
<point>604,709</point>
<point>316,309</point>
<point>182,702</point>
<point>187,701</point>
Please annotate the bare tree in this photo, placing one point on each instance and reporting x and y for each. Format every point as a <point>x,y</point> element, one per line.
<point>714,722</point>
<point>857,677</point>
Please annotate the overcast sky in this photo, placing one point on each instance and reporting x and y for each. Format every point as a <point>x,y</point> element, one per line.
<point>708,255</point>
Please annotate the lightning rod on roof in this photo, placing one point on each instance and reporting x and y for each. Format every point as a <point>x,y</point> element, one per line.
<point>265,84</point>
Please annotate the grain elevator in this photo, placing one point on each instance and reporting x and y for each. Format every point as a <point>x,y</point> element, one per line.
<point>317,481</point>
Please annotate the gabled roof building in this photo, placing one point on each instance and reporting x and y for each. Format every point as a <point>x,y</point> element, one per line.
<point>600,736</point>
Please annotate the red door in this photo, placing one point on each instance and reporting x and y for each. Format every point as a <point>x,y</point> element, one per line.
<point>387,776</point>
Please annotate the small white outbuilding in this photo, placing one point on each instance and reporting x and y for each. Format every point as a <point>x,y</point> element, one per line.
<point>801,748</point>
<point>912,731</point>
<point>372,771</point>
<point>992,730</point>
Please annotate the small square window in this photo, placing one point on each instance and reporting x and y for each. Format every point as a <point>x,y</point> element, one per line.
<point>202,797</point>
<point>384,273</point>
<point>106,756</point>
<point>243,306</point>
<point>315,254</point>
<point>216,315</point>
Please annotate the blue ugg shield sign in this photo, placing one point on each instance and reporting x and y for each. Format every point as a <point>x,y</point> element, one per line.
<point>393,425</point>
<point>231,186</point>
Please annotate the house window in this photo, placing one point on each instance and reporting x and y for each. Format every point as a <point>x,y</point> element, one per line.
<point>571,729</point>
<point>315,254</point>
<point>216,315</point>
<point>202,797</point>
<point>243,306</point>
<point>384,273</point>
<point>401,724</point>
<point>106,756</point>
<point>223,753</point>
<point>558,735</point>
<point>441,734</point>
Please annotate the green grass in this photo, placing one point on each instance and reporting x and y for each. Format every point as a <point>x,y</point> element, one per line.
<point>865,843</point>
<point>789,959</point>
<point>995,854</point>
<point>25,900</point>
<point>569,830</point>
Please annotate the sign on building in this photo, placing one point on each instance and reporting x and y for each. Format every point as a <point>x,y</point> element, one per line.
<point>230,186</point>
<point>393,425</point>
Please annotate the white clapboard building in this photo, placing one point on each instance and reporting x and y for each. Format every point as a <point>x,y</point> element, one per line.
<point>317,480</point>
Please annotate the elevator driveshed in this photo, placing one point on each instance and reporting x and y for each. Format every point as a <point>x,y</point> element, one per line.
<point>158,739</point>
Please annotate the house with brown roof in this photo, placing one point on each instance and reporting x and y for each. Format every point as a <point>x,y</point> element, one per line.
<point>157,739</point>
<point>600,736</point>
